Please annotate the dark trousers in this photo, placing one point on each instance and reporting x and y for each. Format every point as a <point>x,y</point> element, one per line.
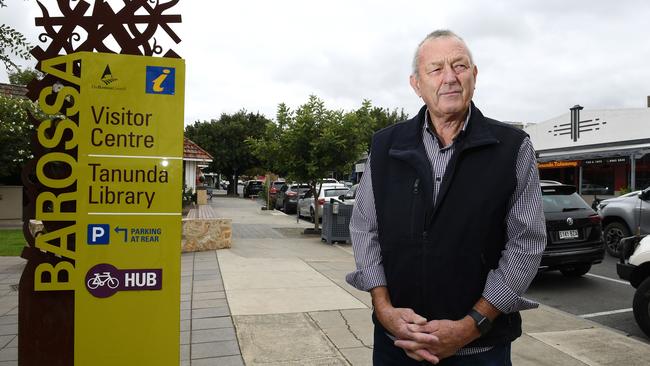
<point>385,353</point>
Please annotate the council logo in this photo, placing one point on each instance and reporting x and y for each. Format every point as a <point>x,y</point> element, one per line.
<point>107,80</point>
<point>160,80</point>
<point>107,76</point>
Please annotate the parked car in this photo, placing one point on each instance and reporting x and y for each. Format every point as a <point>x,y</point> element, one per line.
<point>306,205</point>
<point>574,235</point>
<point>287,197</point>
<point>275,187</point>
<point>622,217</point>
<point>253,187</point>
<point>634,266</point>
<point>588,188</point>
<point>350,197</point>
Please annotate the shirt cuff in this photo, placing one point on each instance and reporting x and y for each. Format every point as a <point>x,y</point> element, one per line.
<point>502,297</point>
<point>367,278</point>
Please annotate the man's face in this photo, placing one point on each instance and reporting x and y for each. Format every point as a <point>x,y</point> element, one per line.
<point>445,77</point>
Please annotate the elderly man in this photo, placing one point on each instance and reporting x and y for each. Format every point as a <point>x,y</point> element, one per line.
<point>448,228</point>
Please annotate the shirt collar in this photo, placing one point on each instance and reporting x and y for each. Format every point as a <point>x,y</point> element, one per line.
<point>427,124</point>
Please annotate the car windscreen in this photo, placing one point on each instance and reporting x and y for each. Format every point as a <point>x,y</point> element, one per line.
<point>255,183</point>
<point>335,192</point>
<point>560,202</point>
<point>278,185</point>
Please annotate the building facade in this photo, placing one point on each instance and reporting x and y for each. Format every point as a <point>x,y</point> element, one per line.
<point>602,152</point>
<point>194,159</point>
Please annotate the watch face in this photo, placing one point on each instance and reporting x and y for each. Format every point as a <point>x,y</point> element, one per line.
<point>484,325</point>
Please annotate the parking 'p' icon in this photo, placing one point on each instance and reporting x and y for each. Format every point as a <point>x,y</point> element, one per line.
<point>98,234</point>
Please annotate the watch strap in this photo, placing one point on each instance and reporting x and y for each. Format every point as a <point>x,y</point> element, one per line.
<point>483,324</point>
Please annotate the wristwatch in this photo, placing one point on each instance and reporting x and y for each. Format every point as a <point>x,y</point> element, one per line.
<point>482,322</point>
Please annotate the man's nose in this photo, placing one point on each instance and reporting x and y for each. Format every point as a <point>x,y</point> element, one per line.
<point>449,75</point>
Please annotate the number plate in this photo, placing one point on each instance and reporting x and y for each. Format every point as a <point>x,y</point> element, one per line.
<point>568,234</point>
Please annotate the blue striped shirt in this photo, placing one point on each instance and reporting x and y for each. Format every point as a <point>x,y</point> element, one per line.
<point>525,226</point>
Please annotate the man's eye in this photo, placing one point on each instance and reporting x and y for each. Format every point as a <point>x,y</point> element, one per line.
<point>460,67</point>
<point>434,70</point>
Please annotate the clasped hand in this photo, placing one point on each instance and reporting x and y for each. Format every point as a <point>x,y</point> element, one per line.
<point>427,340</point>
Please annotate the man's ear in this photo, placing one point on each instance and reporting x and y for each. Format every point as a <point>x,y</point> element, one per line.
<point>415,84</point>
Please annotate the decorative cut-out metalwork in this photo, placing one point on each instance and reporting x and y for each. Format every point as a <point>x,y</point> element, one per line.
<point>46,318</point>
<point>106,29</point>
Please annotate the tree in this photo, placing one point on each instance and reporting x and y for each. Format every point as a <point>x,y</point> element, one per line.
<point>373,119</point>
<point>15,132</point>
<point>311,143</point>
<point>12,42</point>
<point>225,139</point>
<point>23,77</point>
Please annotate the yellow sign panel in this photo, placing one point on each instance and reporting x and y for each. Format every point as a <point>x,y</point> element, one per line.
<point>127,228</point>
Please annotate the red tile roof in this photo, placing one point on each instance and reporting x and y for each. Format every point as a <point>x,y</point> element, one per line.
<point>192,151</point>
<point>9,90</point>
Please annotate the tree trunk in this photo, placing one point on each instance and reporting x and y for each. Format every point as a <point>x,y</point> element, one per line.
<point>235,186</point>
<point>316,206</point>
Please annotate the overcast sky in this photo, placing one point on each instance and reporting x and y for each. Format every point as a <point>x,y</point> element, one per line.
<point>536,59</point>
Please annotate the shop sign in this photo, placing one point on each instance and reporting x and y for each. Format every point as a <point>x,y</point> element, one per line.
<point>620,160</point>
<point>557,164</point>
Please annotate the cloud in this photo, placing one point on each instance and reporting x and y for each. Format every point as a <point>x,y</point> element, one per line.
<point>536,59</point>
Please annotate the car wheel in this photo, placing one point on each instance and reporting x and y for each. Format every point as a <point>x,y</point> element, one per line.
<point>614,232</point>
<point>285,208</point>
<point>575,270</point>
<point>641,306</point>
<point>312,215</point>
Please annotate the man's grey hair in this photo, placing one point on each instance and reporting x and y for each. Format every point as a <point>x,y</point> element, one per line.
<point>440,33</point>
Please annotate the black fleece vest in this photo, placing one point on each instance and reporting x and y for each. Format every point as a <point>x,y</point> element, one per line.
<point>436,259</point>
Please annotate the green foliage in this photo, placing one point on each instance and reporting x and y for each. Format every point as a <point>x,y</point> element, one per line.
<point>15,132</point>
<point>264,193</point>
<point>372,119</point>
<point>12,242</point>
<point>23,77</point>
<point>225,139</point>
<point>12,42</point>
<point>311,142</point>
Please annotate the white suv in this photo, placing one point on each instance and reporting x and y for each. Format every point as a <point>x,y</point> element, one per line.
<point>306,206</point>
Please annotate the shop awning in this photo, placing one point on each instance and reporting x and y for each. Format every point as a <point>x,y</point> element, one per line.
<point>595,152</point>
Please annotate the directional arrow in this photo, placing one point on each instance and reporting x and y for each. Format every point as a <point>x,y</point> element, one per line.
<point>117,230</point>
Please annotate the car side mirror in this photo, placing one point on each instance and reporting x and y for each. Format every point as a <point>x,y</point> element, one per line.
<point>342,197</point>
<point>645,194</point>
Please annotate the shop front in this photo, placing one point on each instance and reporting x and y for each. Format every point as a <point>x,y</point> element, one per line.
<point>602,152</point>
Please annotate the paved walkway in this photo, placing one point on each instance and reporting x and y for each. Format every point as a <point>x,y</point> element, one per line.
<point>279,298</point>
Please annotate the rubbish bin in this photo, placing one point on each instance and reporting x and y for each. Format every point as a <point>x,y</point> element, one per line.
<point>336,222</point>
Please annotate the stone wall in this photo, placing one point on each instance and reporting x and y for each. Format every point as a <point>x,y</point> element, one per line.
<point>206,234</point>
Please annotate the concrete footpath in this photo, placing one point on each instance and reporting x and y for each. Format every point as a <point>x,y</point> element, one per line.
<point>279,297</point>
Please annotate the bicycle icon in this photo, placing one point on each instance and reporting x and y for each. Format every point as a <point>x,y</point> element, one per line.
<point>101,279</point>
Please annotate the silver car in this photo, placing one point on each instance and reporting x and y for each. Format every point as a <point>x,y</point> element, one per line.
<point>623,216</point>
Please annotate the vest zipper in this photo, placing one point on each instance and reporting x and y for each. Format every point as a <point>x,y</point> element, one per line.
<point>416,191</point>
<point>416,231</point>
